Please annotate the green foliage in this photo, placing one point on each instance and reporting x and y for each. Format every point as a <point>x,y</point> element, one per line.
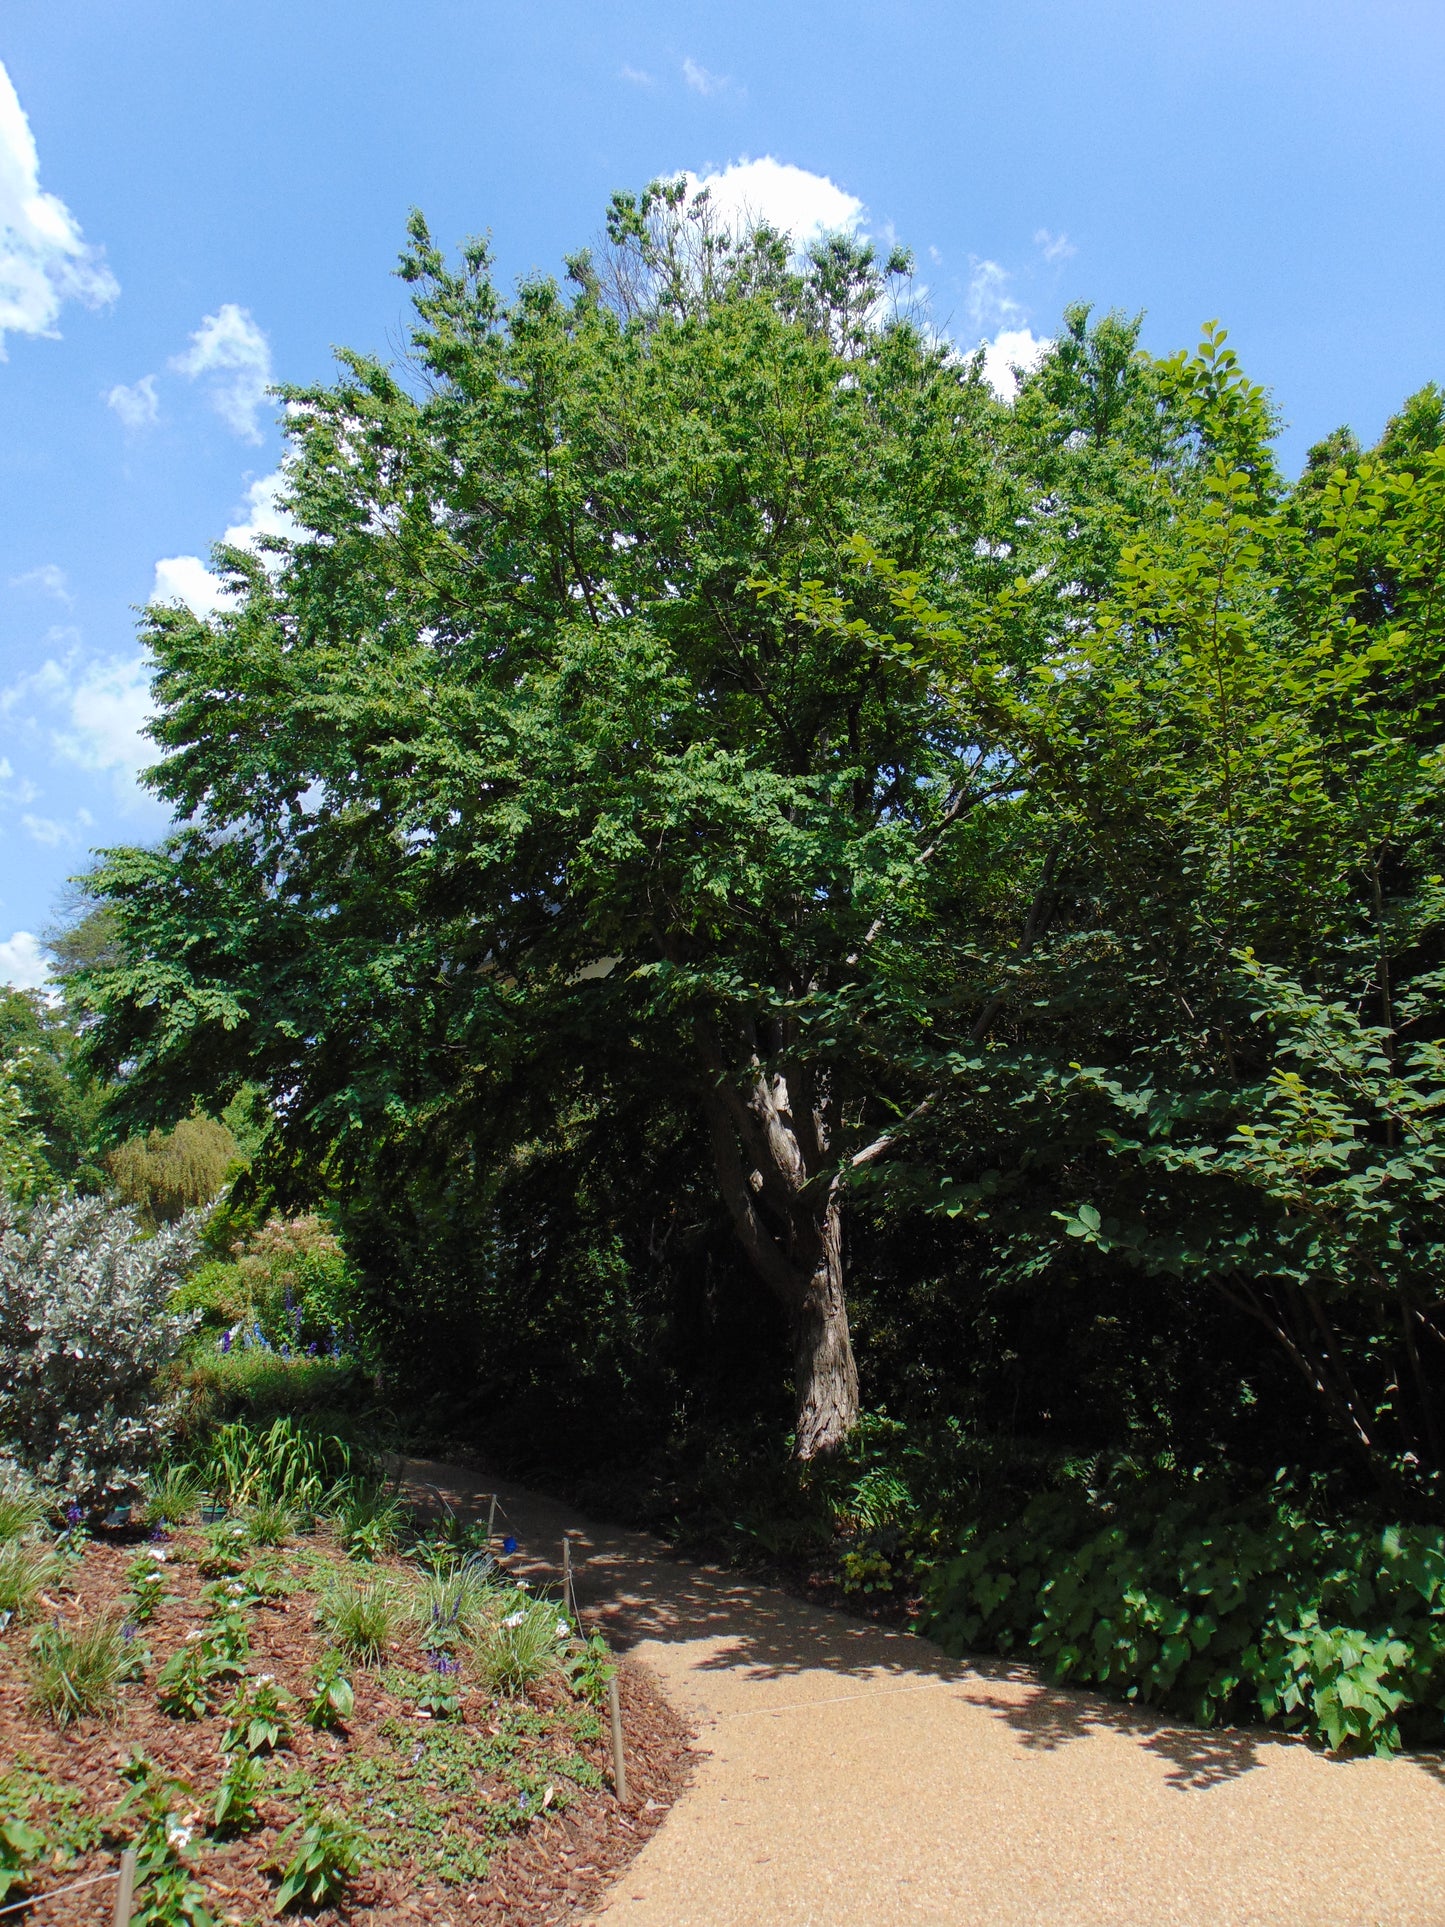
<point>590,1668</point>
<point>190,1684</point>
<point>369,1518</point>
<point>146,1583</point>
<point>223,1550</point>
<point>521,1642</point>
<point>237,1793</point>
<point>361,1617</point>
<point>256,1717</point>
<point>167,1893</point>
<point>1220,1610</point>
<point>50,1104</point>
<point>26,1569</point>
<point>172,1494</point>
<point>332,1700</point>
<point>167,1173</point>
<point>76,1671</point>
<point>289,1462</point>
<point>328,1853</point>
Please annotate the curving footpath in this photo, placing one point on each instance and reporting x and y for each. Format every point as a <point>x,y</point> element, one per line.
<point>851,1776</point>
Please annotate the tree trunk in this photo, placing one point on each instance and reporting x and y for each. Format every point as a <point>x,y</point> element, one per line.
<point>772,1169</point>
<point>825,1376</point>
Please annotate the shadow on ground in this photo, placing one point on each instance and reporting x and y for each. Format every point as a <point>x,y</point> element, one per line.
<point>633,1588</point>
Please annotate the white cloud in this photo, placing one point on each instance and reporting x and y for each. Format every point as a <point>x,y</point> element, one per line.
<point>22,962</point>
<point>43,260</point>
<point>1055,247</point>
<point>800,204</point>
<point>48,579</point>
<point>185,578</point>
<point>230,346</point>
<point>1010,348</point>
<point>990,305</point>
<point>108,707</point>
<point>139,405</point>
<point>636,76</point>
<point>46,830</point>
<point>700,80</point>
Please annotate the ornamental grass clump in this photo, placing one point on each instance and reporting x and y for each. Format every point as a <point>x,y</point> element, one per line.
<point>361,1618</point>
<point>522,1645</point>
<point>27,1567</point>
<point>85,1325</point>
<point>172,1495</point>
<point>78,1671</point>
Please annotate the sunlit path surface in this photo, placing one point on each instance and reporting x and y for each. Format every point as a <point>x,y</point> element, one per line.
<point>856,1777</point>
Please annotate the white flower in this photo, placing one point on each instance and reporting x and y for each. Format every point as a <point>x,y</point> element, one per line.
<point>563,1629</point>
<point>265,1679</point>
<point>159,1555</point>
<point>513,1619</point>
<point>178,1836</point>
<point>196,1632</point>
<point>155,1579</point>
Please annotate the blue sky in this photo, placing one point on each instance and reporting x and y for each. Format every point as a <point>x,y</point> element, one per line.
<point>196,199</point>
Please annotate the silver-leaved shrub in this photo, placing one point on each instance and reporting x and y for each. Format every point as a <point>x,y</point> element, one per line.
<point>85,1324</point>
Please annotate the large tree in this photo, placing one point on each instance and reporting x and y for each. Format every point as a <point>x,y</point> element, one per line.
<point>518,765</point>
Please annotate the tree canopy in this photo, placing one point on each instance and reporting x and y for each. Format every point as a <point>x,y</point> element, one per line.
<point>697,720</point>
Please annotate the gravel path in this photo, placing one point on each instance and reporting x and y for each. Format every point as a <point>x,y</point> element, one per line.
<point>857,1777</point>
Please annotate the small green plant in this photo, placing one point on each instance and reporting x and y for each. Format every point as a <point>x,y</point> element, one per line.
<point>26,1569</point>
<point>77,1671</point>
<point>172,1495</point>
<point>238,1794</point>
<point>370,1519</point>
<point>328,1853</point>
<point>21,1847</point>
<point>147,1580</point>
<point>224,1553</point>
<point>192,1678</point>
<point>288,1461</point>
<point>256,1717</point>
<point>440,1694</point>
<point>270,1522</point>
<point>361,1618</point>
<point>522,1646</point>
<point>589,1667</point>
<point>449,1606</point>
<point>167,1893</point>
<point>332,1699</point>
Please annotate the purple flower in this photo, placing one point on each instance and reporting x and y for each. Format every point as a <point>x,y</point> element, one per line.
<point>312,1349</point>
<point>159,1535</point>
<point>127,1631</point>
<point>444,1664</point>
<point>225,1341</point>
<point>73,1514</point>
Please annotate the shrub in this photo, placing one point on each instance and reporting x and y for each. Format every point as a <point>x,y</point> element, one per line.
<point>1219,1609</point>
<point>448,1607</point>
<point>521,1646</point>
<point>167,1173</point>
<point>78,1671</point>
<point>84,1327</point>
<point>360,1618</point>
<point>270,1522</point>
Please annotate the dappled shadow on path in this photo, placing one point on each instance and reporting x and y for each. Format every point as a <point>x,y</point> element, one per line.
<point>1199,1757</point>
<point>633,1588</point>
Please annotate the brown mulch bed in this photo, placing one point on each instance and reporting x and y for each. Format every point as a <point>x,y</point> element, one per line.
<point>546,1870</point>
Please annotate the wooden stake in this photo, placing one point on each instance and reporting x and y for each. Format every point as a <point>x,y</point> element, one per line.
<point>125,1891</point>
<point>491,1520</point>
<point>567,1602</point>
<point>619,1765</point>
